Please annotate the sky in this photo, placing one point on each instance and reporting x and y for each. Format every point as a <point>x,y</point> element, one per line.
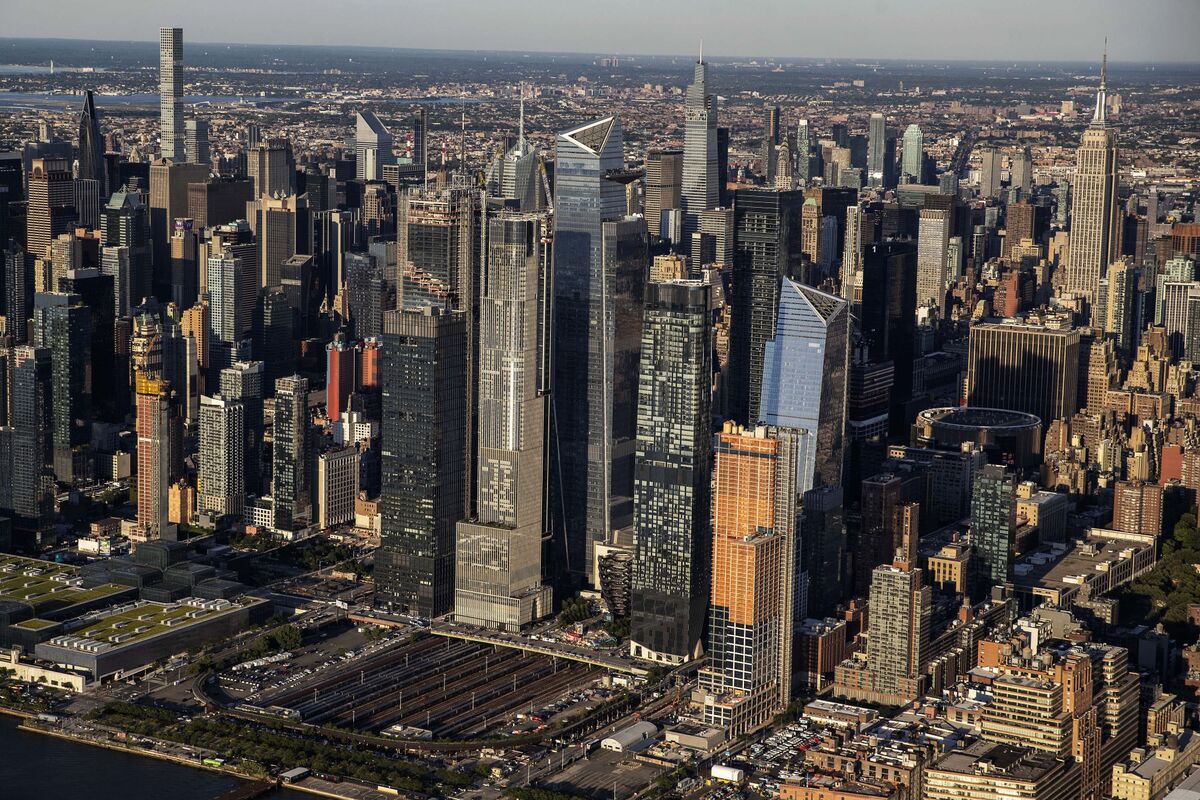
<point>1016,30</point>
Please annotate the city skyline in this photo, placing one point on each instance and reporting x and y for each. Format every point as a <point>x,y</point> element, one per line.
<point>669,31</point>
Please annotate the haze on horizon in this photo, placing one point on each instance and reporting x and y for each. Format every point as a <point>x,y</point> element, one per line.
<point>1157,31</point>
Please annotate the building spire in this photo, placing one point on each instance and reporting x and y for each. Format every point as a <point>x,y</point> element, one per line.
<point>1101,113</point>
<point>701,61</point>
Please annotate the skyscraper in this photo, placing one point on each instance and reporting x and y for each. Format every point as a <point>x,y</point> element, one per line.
<point>600,262</point>
<point>514,174</point>
<point>1094,230</point>
<point>126,256</point>
<point>899,628</point>
<point>1023,368</point>
<point>153,454</point>
<point>670,571</point>
<point>51,208</point>
<point>32,482</point>
<point>701,183</point>
<point>341,360</point>
<point>498,556</point>
<point>747,679</point>
<point>170,93</point>
<point>221,484</point>
<point>231,283</point>
<point>1022,171</point>
<point>271,166</point>
<point>196,141</point>
<point>989,176</point>
<point>664,180</point>
<point>805,370</point>
<point>92,165</point>
<point>933,241</point>
<point>289,454</point>
<point>767,222</point>
<point>63,324</point>
<point>423,446</point>
<point>244,382</point>
<point>878,170</point>
<point>373,147</point>
<point>914,154</point>
<point>771,140</point>
<point>805,168</point>
<point>282,225</point>
<point>993,523</point>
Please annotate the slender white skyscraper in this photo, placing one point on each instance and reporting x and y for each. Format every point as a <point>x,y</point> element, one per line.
<point>170,92</point>
<point>1093,201</point>
<point>700,188</point>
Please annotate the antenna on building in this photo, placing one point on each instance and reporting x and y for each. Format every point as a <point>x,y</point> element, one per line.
<point>521,123</point>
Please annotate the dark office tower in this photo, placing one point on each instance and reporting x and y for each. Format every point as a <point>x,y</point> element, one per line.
<point>32,483</point>
<point>96,292</point>
<point>367,295</point>
<point>767,221</point>
<point>881,526</point>
<point>1023,368</point>
<point>672,475</point>
<point>373,147</point>
<point>823,549</point>
<point>64,325</point>
<point>298,281</point>
<point>701,181</point>
<point>51,204</point>
<point>887,320</point>
<point>87,203</point>
<point>1020,225</point>
<point>127,227</point>
<point>196,141</point>
<point>91,146</point>
<point>498,571</point>
<point>993,524</point>
<point>599,267</point>
<point>334,234</point>
<point>170,92</point>
<point>877,166</point>
<point>168,201</point>
<point>723,193</point>
<point>18,292</point>
<point>424,438</point>
<point>771,140</point>
<point>289,450</point>
<point>274,336</point>
<point>245,383</point>
<point>183,247</point>
<point>271,167</point>
<point>420,140</point>
<point>664,180</point>
<point>283,227</point>
<point>804,374</point>
<point>804,153</point>
<point>378,204</point>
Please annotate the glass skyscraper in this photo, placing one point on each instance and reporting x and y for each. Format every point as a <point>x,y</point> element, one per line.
<point>423,445</point>
<point>670,574</point>
<point>600,259</point>
<point>805,368</point>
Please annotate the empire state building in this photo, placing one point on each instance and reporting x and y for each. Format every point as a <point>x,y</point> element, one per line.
<point>1094,231</point>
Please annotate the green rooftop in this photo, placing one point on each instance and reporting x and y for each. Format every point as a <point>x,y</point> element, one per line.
<point>35,624</point>
<point>144,619</point>
<point>44,584</point>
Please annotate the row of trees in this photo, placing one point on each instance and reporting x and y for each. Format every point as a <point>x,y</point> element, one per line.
<point>1164,593</point>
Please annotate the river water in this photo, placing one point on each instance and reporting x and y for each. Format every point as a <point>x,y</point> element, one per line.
<point>36,766</point>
